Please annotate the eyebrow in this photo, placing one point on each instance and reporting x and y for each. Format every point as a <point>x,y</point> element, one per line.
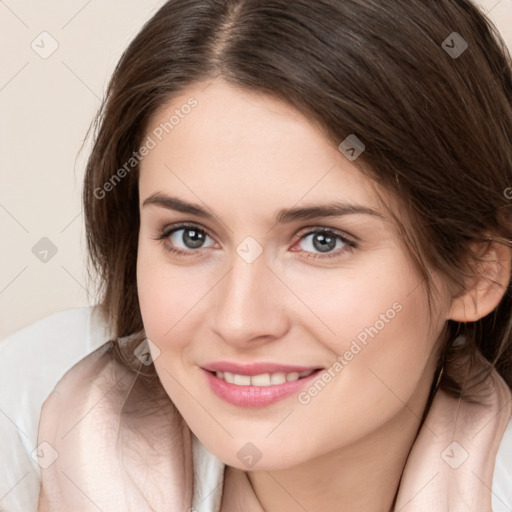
<point>286,215</point>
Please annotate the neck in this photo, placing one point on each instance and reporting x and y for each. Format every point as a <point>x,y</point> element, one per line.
<point>364,477</point>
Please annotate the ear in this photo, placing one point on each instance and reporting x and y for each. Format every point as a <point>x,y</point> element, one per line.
<point>488,286</point>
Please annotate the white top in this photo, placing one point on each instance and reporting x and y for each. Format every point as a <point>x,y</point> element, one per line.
<point>35,358</point>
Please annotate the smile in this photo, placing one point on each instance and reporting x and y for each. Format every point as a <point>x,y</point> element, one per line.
<point>259,385</point>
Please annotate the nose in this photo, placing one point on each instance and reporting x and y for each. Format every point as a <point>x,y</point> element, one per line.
<point>250,304</point>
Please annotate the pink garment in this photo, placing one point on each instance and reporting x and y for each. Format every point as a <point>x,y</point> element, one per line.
<point>451,464</point>
<point>144,463</point>
<point>137,464</point>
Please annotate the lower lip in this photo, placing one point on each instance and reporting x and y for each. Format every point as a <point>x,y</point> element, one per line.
<point>256,396</point>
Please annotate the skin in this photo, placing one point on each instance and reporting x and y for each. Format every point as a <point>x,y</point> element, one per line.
<point>244,156</point>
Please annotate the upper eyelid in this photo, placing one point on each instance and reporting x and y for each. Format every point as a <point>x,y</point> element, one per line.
<point>176,227</point>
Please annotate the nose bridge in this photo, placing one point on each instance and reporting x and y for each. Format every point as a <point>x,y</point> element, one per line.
<point>248,304</point>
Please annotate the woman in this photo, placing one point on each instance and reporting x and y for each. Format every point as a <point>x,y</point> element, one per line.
<point>298,214</point>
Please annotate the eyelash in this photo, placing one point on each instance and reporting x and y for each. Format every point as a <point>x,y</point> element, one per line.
<point>349,244</point>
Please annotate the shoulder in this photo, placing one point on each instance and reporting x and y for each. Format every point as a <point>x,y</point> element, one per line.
<point>502,479</point>
<point>32,360</point>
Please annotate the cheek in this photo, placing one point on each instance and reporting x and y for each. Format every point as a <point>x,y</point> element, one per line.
<point>377,328</point>
<point>377,371</point>
<point>380,306</point>
<point>384,359</point>
<point>153,289</point>
<point>169,296</point>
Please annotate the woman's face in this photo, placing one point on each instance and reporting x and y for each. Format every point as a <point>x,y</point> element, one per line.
<point>265,288</point>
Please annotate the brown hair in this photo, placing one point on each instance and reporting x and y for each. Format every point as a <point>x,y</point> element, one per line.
<point>436,125</point>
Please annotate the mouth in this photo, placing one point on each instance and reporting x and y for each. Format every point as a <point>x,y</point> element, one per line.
<point>252,387</point>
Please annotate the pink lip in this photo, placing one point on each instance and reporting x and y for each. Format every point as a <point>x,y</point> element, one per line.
<point>255,368</point>
<point>256,396</point>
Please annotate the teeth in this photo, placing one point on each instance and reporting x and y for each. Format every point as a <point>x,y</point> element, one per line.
<point>265,379</point>
<point>278,378</point>
<point>261,380</point>
<point>241,380</point>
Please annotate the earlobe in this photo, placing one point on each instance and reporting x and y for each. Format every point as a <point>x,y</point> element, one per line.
<point>488,286</point>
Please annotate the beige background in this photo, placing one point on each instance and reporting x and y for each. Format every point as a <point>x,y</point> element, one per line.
<point>46,105</point>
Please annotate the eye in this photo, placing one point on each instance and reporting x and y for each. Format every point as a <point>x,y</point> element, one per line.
<point>325,241</point>
<point>189,239</point>
<point>185,239</point>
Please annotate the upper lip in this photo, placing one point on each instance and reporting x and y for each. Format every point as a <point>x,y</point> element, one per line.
<point>256,368</point>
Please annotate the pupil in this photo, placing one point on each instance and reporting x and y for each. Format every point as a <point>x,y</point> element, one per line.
<point>193,238</point>
<point>324,242</point>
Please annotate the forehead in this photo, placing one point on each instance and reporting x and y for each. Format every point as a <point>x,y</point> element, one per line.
<point>220,142</point>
